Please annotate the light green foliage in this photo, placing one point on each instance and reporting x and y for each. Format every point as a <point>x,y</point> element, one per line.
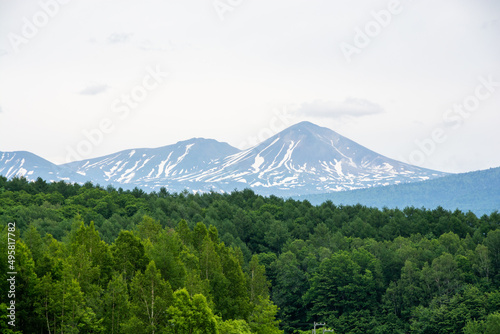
<point>150,296</point>
<point>233,327</point>
<point>492,323</point>
<point>359,269</point>
<point>92,260</point>
<point>190,315</point>
<point>257,281</point>
<point>166,252</point>
<point>62,304</point>
<point>233,301</point>
<point>128,255</point>
<point>149,229</point>
<point>116,304</point>
<point>263,320</point>
<point>474,327</point>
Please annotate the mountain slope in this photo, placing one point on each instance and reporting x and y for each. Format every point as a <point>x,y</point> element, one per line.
<point>31,166</point>
<point>154,167</point>
<point>477,191</point>
<point>312,159</point>
<point>302,159</point>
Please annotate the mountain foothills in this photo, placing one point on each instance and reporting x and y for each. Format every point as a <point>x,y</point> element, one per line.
<point>477,191</point>
<point>94,260</point>
<point>195,238</point>
<point>302,159</point>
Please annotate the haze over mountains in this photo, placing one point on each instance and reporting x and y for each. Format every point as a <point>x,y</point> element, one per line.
<point>477,191</point>
<point>302,159</point>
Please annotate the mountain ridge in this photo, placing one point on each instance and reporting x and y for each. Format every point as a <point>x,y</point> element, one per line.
<point>477,191</point>
<point>304,158</point>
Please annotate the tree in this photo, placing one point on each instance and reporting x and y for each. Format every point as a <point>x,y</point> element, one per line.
<point>184,232</point>
<point>190,315</point>
<point>493,323</point>
<point>149,229</point>
<point>166,252</point>
<point>198,235</point>
<point>232,302</point>
<point>444,274</point>
<point>482,262</point>
<point>25,292</point>
<point>291,284</point>
<point>150,295</point>
<point>62,305</point>
<point>277,235</point>
<point>128,255</point>
<point>5,328</point>
<point>86,243</point>
<point>492,241</point>
<point>233,327</point>
<point>346,282</point>
<point>116,304</point>
<point>258,284</point>
<point>263,320</point>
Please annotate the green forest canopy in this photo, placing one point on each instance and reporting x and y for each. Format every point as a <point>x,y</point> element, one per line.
<point>94,260</point>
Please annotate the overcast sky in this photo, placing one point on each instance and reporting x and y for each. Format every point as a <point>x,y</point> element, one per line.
<point>417,81</point>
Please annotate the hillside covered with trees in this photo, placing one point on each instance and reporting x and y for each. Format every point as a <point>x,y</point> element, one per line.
<point>95,260</point>
<point>475,191</point>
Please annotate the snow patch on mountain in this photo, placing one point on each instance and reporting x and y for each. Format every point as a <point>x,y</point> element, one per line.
<point>302,159</point>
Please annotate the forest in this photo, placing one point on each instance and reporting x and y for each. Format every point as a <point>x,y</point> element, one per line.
<point>90,259</point>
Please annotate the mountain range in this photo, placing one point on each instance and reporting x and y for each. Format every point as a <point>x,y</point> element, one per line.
<point>477,191</point>
<point>302,159</point>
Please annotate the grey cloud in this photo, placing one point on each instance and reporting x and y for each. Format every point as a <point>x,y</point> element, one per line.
<point>352,107</point>
<point>115,38</point>
<point>94,89</point>
<point>3,52</point>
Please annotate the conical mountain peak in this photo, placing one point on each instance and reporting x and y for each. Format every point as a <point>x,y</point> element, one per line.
<point>302,159</point>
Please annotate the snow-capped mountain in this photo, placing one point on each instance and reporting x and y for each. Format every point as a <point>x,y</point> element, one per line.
<point>154,168</point>
<point>302,159</point>
<point>306,158</point>
<point>31,166</point>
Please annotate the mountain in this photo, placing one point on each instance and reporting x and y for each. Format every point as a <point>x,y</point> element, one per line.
<point>306,158</point>
<point>31,166</point>
<point>153,168</point>
<point>477,191</point>
<point>302,159</point>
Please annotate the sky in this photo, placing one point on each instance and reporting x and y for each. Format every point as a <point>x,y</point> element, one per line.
<point>416,81</point>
